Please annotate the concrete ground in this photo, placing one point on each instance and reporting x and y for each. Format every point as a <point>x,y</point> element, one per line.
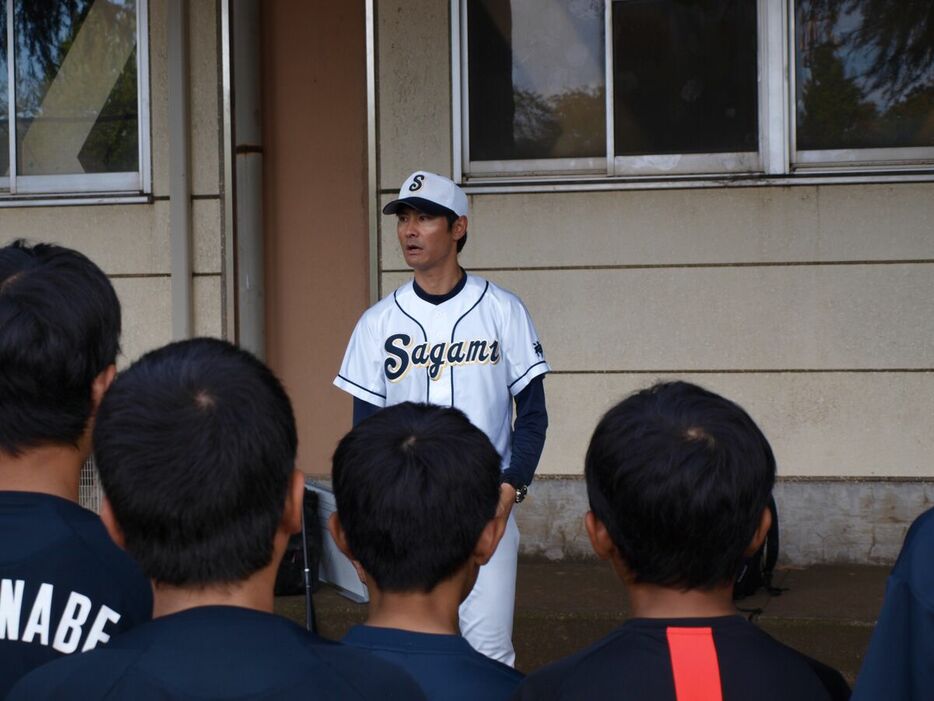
<point>827,612</point>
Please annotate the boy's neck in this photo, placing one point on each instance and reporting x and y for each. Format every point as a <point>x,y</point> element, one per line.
<point>418,612</point>
<point>47,469</point>
<point>653,601</point>
<point>254,592</point>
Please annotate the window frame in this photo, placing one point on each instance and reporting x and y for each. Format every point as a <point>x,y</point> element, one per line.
<point>117,184</point>
<point>777,156</point>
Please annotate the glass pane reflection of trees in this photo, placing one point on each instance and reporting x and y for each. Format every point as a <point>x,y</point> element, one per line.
<point>864,73</point>
<point>536,79</point>
<point>76,86</point>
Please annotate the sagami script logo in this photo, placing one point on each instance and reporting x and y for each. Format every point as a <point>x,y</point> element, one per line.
<point>403,356</point>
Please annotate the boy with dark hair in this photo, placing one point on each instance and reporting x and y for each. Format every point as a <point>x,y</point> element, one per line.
<point>417,488</point>
<point>64,586</point>
<point>679,480</point>
<point>196,445</point>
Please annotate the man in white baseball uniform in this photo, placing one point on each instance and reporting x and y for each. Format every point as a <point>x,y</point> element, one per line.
<point>454,339</point>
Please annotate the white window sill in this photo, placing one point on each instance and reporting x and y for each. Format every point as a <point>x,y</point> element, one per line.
<point>588,183</point>
<point>72,200</point>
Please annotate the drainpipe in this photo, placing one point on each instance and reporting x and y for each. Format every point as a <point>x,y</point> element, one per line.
<point>179,171</point>
<point>248,174</point>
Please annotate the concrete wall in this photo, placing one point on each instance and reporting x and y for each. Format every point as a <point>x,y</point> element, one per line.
<point>813,306</point>
<point>821,521</point>
<point>131,241</point>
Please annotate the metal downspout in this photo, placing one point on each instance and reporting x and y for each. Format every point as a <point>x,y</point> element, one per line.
<point>179,171</point>
<point>248,174</point>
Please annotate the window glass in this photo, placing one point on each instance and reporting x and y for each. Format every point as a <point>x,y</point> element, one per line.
<point>685,78</point>
<point>864,74</point>
<point>4,100</point>
<point>76,86</point>
<point>536,79</point>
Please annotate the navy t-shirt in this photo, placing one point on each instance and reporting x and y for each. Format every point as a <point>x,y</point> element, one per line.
<point>64,586</point>
<point>666,659</point>
<point>900,661</point>
<point>445,666</point>
<point>218,652</point>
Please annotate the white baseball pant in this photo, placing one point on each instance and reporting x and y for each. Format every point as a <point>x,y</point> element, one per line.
<point>487,612</point>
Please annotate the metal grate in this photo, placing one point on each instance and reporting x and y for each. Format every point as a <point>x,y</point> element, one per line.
<point>89,487</point>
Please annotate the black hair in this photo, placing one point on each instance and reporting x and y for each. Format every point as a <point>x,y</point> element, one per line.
<point>195,444</point>
<point>415,484</point>
<point>679,476</point>
<point>59,329</point>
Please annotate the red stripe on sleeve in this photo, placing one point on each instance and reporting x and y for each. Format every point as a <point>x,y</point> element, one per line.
<point>694,664</point>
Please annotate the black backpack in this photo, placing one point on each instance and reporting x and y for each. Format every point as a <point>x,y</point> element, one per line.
<point>758,570</point>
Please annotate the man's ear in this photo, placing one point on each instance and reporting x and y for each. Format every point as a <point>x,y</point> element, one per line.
<point>758,538</point>
<point>489,539</point>
<point>101,384</point>
<point>599,536</point>
<point>294,503</point>
<point>110,523</point>
<point>459,228</point>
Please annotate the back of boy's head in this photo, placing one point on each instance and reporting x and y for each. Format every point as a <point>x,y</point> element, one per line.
<point>59,329</point>
<point>415,486</point>
<point>195,444</point>
<point>679,476</point>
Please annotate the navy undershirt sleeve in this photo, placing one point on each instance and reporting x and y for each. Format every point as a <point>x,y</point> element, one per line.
<point>528,435</point>
<point>363,410</point>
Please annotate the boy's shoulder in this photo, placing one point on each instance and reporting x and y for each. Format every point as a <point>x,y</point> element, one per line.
<point>445,666</point>
<point>638,660</point>
<point>915,564</point>
<point>217,652</point>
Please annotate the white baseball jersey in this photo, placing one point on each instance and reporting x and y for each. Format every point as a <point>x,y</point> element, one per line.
<point>475,352</point>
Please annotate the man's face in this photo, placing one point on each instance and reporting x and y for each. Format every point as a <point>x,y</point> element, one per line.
<point>428,241</point>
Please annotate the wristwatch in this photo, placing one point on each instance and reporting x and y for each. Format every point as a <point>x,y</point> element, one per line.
<point>521,489</point>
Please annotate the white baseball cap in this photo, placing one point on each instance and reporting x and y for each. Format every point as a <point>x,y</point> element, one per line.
<point>429,193</point>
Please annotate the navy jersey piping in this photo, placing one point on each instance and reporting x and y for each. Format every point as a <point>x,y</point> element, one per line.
<point>454,330</point>
<point>424,335</point>
<point>375,394</point>
<point>540,362</point>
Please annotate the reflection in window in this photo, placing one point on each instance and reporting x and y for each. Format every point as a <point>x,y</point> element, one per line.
<point>536,79</point>
<point>864,74</point>
<point>685,77</point>
<point>4,100</point>
<point>76,86</point>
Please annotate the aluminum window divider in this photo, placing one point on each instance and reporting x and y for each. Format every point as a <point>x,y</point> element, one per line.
<point>459,147</point>
<point>573,166</point>
<point>77,183</point>
<point>792,71</point>
<point>460,82</point>
<point>774,92</point>
<point>608,89</point>
<point>700,164</point>
<point>903,157</point>
<point>142,95</point>
<point>11,93</point>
